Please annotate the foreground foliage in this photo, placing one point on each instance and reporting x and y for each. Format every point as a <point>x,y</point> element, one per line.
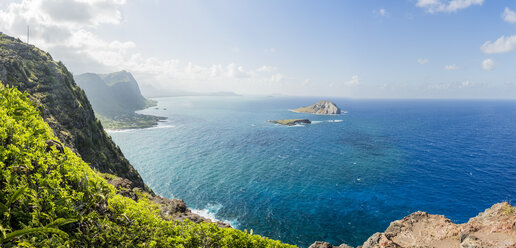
<point>49,197</point>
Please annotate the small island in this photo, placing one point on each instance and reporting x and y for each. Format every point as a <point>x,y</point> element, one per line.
<point>323,107</point>
<point>292,122</point>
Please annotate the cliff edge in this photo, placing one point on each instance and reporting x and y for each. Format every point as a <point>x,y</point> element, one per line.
<point>495,227</point>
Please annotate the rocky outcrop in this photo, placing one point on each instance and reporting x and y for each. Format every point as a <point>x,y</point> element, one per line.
<point>495,227</point>
<point>319,244</point>
<point>321,108</point>
<point>292,122</point>
<point>175,209</point>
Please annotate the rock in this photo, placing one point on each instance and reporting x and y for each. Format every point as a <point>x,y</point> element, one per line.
<point>292,122</point>
<point>170,206</point>
<point>471,242</point>
<point>319,244</point>
<point>321,108</point>
<point>54,143</point>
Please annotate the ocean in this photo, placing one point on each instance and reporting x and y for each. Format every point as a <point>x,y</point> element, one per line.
<point>341,178</point>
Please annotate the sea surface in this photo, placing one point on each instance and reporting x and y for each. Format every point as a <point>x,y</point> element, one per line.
<point>340,179</point>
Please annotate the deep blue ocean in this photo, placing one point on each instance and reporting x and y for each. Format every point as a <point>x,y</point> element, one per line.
<point>340,179</point>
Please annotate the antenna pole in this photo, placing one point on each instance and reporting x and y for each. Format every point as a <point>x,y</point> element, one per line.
<point>28,33</point>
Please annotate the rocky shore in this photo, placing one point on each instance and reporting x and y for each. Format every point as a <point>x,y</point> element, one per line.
<point>495,227</point>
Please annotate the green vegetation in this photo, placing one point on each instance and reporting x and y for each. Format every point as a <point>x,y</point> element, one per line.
<point>49,197</point>
<point>509,210</point>
<point>130,121</point>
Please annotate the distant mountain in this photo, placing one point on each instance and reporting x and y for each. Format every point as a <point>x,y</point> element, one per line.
<point>114,94</point>
<point>153,91</point>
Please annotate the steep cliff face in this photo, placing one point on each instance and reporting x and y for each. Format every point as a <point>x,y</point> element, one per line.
<point>112,94</point>
<point>63,105</point>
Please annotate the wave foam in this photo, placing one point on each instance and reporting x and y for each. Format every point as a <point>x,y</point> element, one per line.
<point>335,120</point>
<point>210,212</point>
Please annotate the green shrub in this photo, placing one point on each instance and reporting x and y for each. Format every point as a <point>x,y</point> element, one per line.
<point>49,197</point>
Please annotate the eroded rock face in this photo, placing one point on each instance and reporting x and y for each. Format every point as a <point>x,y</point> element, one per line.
<point>321,108</point>
<point>495,227</point>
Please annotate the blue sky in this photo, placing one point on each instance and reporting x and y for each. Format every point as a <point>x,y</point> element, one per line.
<point>360,49</point>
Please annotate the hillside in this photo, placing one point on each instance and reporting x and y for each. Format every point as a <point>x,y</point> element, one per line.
<point>64,106</point>
<point>114,98</point>
<point>49,197</point>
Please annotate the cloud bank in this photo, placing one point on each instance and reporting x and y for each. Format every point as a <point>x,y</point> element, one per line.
<point>433,6</point>
<point>67,29</point>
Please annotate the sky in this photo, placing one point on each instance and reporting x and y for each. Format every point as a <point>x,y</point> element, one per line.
<point>357,49</point>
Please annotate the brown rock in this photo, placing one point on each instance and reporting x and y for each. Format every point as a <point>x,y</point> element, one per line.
<point>495,227</point>
<point>320,244</point>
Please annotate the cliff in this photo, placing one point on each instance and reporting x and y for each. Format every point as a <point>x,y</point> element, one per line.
<point>320,108</point>
<point>112,94</point>
<point>495,227</point>
<point>64,106</point>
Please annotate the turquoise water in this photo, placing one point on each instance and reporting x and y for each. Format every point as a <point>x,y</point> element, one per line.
<point>340,179</point>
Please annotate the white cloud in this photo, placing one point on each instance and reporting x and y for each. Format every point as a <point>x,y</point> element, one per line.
<point>509,15</point>
<point>265,68</point>
<point>277,77</point>
<point>438,86</point>
<point>270,50</point>
<point>451,67</point>
<point>381,12</point>
<point>501,45</point>
<point>422,61</point>
<point>488,64</point>
<point>451,85</point>
<point>354,81</point>
<point>67,28</point>
<point>433,6</point>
